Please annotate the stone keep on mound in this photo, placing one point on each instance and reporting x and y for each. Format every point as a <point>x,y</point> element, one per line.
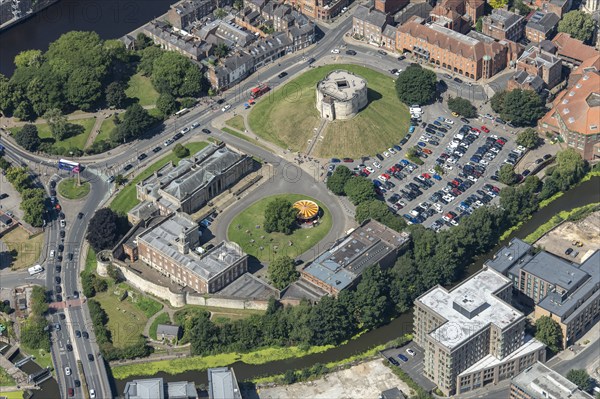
<point>340,95</point>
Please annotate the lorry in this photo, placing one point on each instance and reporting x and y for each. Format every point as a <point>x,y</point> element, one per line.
<point>259,90</point>
<point>35,270</point>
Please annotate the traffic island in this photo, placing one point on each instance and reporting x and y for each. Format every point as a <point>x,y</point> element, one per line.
<point>73,189</point>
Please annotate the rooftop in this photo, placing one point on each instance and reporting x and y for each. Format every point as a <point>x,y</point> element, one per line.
<point>541,382</point>
<point>222,384</point>
<point>555,270</point>
<point>341,85</point>
<point>371,16</point>
<point>470,308</point>
<point>536,56</point>
<point>543,22</point>
<point>503,19</point>
<point>156,388</point>
<point>509,255</point>
<point>571,48</point>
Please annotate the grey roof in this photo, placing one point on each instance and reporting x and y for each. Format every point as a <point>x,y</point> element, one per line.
<point>144,210</point>
<point>509,255</point>
<point>215,165</point>
<point>555,270</point>
<point>5,219</point>
<point>535,55</point>
<point>503,19</point>
<point>569,306</point>
<point>543,22</point>
<point>390,31</point>
<point>541,382</point>
<point>371,16</point>
<point>181,390</point>
<point>222,384</point>
<point>168,329</point>
<point>393,393</point>
<point>164,32</point>
<point>522,77</point>
<point>145,389</point>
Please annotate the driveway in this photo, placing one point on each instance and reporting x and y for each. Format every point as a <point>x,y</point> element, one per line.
<point>414,366</point>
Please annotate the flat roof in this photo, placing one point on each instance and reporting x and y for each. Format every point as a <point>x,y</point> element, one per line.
<point>222,384</point>
<point>555,270</point>
<point>470,307</point>
<point>509,255</point>
<point>540,382</point>
<point>341,85</point>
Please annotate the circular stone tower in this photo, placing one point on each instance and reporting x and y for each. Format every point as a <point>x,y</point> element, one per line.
<point>103,259</point>
<point>340,95</point>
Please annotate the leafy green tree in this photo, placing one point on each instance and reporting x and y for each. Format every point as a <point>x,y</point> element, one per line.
<point>142,41</point>
<point>548,331</point>
<point>412,152</point>
<point>280,216</point>
<point>134,123</point>
<point>29,58</point>
<point>220,13</point>
<point>579,25</point>
<point>329,321</point>
<point>337,181</point>
<point>518,203</point>
<point>521,107</point>
<point>372,209</point>
<point>147,57</point>
<point>359,189</point>
<point>521,7</point>
<point>44,91</point>
<point>33,209</point>
<point>58,123</point>
<point>462,107</point>
<point>570,168</point>
<point>166,103</point>
<point>114,273</point>
<point>120,180</point>
<point>238,4</point>
<point>416,85</point>
<point>581,378</point>
<point>221,50</point>
<point>528,138</point>
<point>479,24</point>
<point>33,334</point>
<point>39,300</point>
<point>19,178</point>
<point>115,95</point>
<point>24,111</point>
<point>4,164</point>
<point>103,229</point>
<point>282,272</point>
<point>181,151</point>
<point>373,305</point>
<point>498,3</point>
<point>6,96</point>
<point>290,377</point>
<point>28,137</point>
<point>175,74</point>
<point>203,334</point>
<point>83,89</point>
<point>507,174</point>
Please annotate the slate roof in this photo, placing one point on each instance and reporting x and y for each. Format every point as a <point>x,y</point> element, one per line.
<point>543,22</point>
<point>370,16</point>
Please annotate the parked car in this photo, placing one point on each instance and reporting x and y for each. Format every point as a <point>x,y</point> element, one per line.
<point>403,358</point>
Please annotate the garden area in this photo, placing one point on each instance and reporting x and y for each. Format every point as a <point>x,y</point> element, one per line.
<point>288,116</point>
<point>247,230</point>
<point>24,249</point>
<point>126,198</point>
<point>71,189</point>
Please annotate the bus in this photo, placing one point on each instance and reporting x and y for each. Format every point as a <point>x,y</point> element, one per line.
<point>181,112</point>
<point>259,90</point>
<point>35,270</point>
<point>71,166</point>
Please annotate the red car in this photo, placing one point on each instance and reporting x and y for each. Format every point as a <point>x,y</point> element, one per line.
<point>485,129</point>
<point>387,177</point>
<point>456,192</point>
<point>455,183</point>
<point>443,155</point>
<point>426,151</point>
<point>500,141</point>
<point>475,129</point>
<point>426,175</point>
<point>366,172</point>
<point>349,160</point>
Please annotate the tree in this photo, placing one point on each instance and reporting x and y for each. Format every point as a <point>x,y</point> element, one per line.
<point>166,104</point>
<point>142,41</point>
<point>83,89</point>
<point>23,111</point>
<point>359,189</point>
<point>120,180</point>
<point>6,95</point>
<point>115,95</point>
<point>479,24</point>
<point>416,85</point>
<point>498,3</point>
<point>521,107</point>
<point>221,50</point>
<point>374,306</point>
<point>521,7</point>
<point>238,4</point>
<point>528,138</point>
<point>581,378</point>
<point>570,168</point>
<point>220,13</point>
<point>280,216</point>
<point>58,123</point>
<point>133,123</point>
<point>329,321</point>
<point>181,151</point>
<point>507,174</point>
<point>34,334</point>
<point>282,272</point>
<point>548,331</point>
<point>147,57</point>
<point>338,179</point>
<point>175,74</point>
<point>39,303</point>
<point>29,58</point>
<point>579,25</point>
<point>114,273</point>
<point>462,107</point>
<point>103,229</point>
<point>28,137</point>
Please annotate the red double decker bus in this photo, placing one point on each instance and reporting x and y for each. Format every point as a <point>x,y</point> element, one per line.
<point>259,90</point>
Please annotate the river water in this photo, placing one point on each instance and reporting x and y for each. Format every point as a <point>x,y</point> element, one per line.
<point>111,19</point>
<point>586,193</point>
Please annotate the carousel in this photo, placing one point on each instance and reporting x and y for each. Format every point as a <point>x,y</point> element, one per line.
<point>308,212</point>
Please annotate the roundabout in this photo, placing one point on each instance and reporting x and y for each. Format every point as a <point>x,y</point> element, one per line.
<point>314,222</point>
<point>70,189</point>
<point>292,115</point>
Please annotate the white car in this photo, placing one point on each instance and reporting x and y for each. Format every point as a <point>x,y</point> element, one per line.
<point>185,130</point>
<point>451,160</point>
<point>432,171</point>
<point>438,207</point>
<point>386,154</point>
<point>410,352</point>
<point>335,51</point>
<point>446,189</point>
<point>92,394</point>
<point>423,138</point>
<point>377,165</point>
<point>67,370</point>
<point>226,107</point>
<point>521,148</point>
<point>472,178</point>
<point>495,137</point>
<point>382,178</point>
<point>450,121</point>
<point>391,151</point>
<point>453,222</point>
<point>494,150</point>
<point>484,162</point>
<point>52,253</point>
<point>63,223</point>
<point>475,132</point>
<point>447,167</point>
<point>168,142</point>
<point>370,169</point>
<point>398,72</point>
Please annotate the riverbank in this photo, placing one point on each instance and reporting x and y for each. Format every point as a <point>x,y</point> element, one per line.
<point>573,215</point>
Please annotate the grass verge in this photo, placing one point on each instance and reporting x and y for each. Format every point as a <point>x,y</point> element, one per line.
<point>244,137</point>
<point>126,198</point>
<point>107,126</point>
<point>140,87</point>
<point>13,395</point>
<point>162,318</point>
<point>90,260</point>
<point>243,231</point>
<point>42,358</point>
<point>69,188</point>
<point>27,248</point>
<point>572,215</point>
<point>237,122</point>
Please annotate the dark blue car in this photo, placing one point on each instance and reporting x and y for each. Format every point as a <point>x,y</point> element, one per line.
<point>402,357</point>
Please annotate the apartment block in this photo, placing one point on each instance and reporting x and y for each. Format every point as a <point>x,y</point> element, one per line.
<point>471,335</point>
<point>169,247</point>
<point>541,382</point>
<point>503,25</point>
<point>341,266</point>
<point>474,56</point>
<point>185,44</point>
<point>566,292</point>
<point>541,26</point>
<point>222,384</point>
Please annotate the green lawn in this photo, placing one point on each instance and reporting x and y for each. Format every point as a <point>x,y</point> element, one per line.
<point>163,318</point>
<point>237,122</point>
<point>42,358</point>
<point>275,244</point>
<point>28,247</point>
<point>107,126</point>
<point>126,198</point>
<point>90,260</point>
<point>140,87</point>
<point>77,141</point>
<point>288,116</point>
<point>13,394</point>
<point>69,188</point>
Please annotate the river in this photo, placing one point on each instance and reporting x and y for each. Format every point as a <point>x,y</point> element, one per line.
<point>111,19</point>
<point>586,193</point>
